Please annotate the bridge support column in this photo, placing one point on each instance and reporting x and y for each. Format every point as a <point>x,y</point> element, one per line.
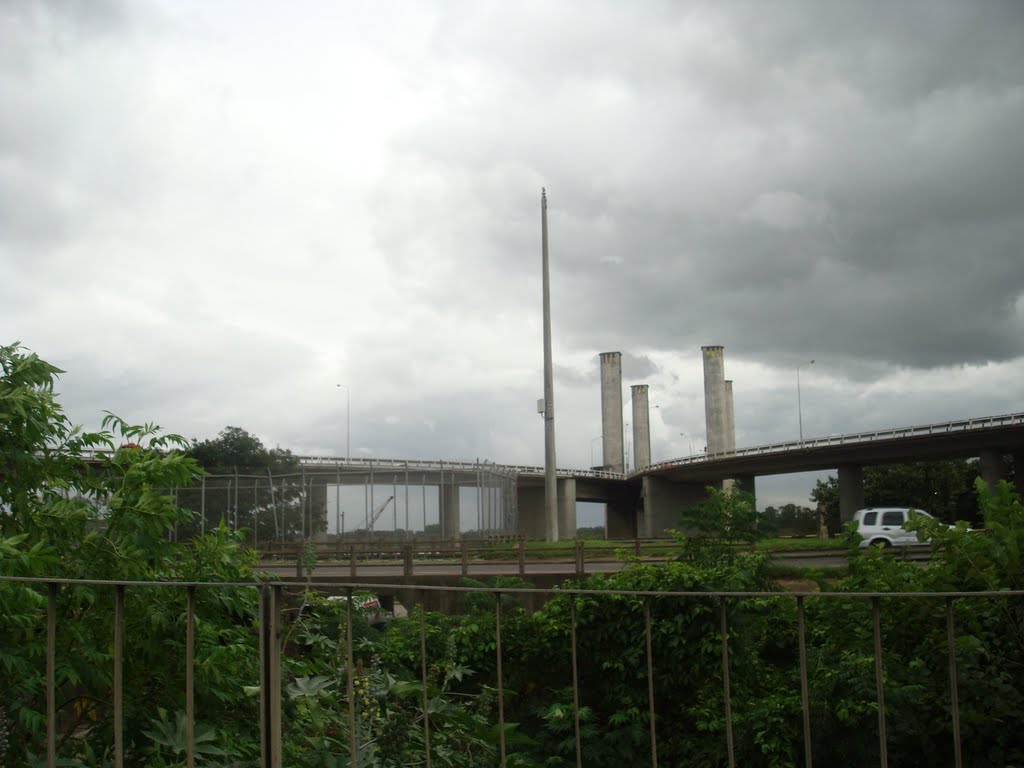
<point>317,510</point>
<point>620,520</point>
<point>450,516</point>
<point>747,484</point>
<point>532,520</point>
<point>1018,472</point>
<point>991,465</point>
<point>851,491</point>
<point>566,507</point>
<point>663,504</point>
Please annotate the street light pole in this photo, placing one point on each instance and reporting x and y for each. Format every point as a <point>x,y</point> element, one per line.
<point>599,437</point>
<point>799,407</point>
<point>348,424</point>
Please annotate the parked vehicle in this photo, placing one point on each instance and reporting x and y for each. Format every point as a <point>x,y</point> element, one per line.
<point>370,607</point>
<point>884,525</point>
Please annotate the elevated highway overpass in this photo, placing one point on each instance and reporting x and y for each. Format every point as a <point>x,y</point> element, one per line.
<point>509,498</point>
<point>659,492</point>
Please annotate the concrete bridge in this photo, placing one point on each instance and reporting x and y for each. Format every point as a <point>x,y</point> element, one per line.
<point>644,502</point>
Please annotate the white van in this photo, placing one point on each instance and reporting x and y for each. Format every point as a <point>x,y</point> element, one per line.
<point>884,525</point>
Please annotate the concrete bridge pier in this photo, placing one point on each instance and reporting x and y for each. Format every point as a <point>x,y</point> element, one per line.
<point>566,492</point>
<point>663,505</point>
<point>851,491</point>
<point>450,514</point>
<point>620,521</point>
<point>747,484</point>
<point>1018,472</point>
<point>991,466</point>
<point>317,511</point>
<point>532,519</point>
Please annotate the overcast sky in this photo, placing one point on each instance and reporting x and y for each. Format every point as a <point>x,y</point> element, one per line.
<point>213,213</point>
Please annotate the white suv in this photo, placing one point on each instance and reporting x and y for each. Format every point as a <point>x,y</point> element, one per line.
<point>884,525</point>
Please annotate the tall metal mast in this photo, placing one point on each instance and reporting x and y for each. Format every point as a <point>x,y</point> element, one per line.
<point>550,482</point>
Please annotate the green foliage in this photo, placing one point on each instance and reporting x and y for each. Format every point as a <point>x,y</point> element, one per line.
<point>234,448</point>
<point>789,519</point>
<point>171,737</point>
<point>944,489</point>
<point>714,529</point>
<point>106,519</point>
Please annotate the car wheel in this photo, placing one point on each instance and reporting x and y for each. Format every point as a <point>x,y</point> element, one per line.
<point>884,542</point>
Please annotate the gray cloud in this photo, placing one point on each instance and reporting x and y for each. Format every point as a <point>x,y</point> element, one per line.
<point>212,217</point>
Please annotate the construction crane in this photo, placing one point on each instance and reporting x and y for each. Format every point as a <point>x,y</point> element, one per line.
<point>378,512</point>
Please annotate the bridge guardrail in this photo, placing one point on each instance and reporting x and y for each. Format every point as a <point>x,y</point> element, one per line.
<point>959,425</point>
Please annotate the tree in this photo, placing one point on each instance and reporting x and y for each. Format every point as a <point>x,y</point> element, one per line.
<point>64,517</point>
<point>714,529</point>
<point>234,448</point>
<point>252,487</point>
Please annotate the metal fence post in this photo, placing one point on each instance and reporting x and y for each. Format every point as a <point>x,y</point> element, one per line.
<point>724,628</point>
<point>270,677</point>
<point>954,699</point>
<point>51,675</point>
<point>575,683</point>
<point>349,682</point>
<point>118,676</point>
<point>423,674</point>
<point>650,682</point>
<point>879,681</point>
<point>804,693</point>
<point>190,650</point>
<point>501,692</point>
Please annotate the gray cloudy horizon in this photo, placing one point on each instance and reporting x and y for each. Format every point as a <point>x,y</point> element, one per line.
<point>211,214</point>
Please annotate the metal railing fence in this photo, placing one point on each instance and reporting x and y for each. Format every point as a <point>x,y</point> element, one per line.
<point>480,556</point>
<point>288,507</point>
<point>271,627</point>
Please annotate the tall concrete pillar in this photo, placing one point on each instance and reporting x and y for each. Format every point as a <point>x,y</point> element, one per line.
<point>730,419</point>
<point>714,398</point>
<point>611,411</point>
<point>851,491</point>
<point>567,507</point>
<point>450,514</point>
<point>991,462</point>
<point>641,426</point>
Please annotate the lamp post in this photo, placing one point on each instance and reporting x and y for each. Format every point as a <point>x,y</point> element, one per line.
<point>799,407</point>
<point>348,424</point>
<point>599,437</point>
<point>683,434</point>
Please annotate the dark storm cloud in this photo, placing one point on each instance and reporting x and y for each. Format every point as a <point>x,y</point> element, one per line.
<point>204,235</point>
<point>853,190</point>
